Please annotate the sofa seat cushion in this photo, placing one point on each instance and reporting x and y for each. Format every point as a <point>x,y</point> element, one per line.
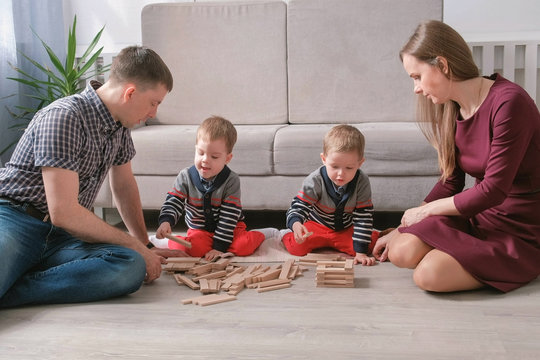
<point>393,149</point>
<point>166,149</point>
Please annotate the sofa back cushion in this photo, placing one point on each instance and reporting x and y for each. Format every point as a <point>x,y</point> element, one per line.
<point>227,59</point>
<point>343,61</point>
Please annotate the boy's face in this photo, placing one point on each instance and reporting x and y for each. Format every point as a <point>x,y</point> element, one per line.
<point>341,166</point>
<point>211,157</point>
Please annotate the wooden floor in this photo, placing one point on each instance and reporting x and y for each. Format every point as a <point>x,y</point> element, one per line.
<point>384,317</point>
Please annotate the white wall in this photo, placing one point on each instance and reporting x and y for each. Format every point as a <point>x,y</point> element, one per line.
<point>476,20</point>
<point>484,20</point>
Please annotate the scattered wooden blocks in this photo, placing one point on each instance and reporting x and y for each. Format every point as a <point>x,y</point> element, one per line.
<point>210,278</point>
<point>335,273</point>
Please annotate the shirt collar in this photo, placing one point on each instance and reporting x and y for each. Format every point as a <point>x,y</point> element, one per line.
<point>107,125</point>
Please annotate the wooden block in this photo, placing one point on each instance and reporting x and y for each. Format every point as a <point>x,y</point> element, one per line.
<point>332,263</point>
<point>185,280</point>
<point>318,257</point>
<point>286,268</point>
<point>179,240</point>
<point>214,299</point>
<point>183,260</point>
<point>307,263</point>
<point>275,287</point>
<point>192,300</point>
<point>269,275</point>
<point>214,275</point>
<point>205,288</point>
<point>273,283</point>
<point>335,282</point>
<point>221,264</point>
<point>335,286</point>
<point>293,272</point>
<point>201,269</point>
<point>237,270</point>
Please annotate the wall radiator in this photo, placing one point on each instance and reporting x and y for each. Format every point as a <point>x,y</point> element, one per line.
<point>518,61</point>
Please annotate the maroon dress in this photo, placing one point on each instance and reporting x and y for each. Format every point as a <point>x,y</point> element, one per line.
<point>497,238</point>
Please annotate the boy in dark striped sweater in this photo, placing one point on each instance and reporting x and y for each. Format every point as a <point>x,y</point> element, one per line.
<point>209,194</point>
<point>333,208</point>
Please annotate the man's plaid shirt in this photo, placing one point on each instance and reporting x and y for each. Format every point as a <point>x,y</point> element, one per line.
<point>75,133</point>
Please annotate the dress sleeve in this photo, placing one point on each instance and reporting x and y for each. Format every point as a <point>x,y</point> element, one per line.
<point>453,185</point>
<point>512,130</point>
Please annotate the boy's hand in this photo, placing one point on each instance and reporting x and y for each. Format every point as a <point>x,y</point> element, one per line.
<point>364,259</point>
<point>163,230</point>
<point>300,232</point>
<point>212,254</point>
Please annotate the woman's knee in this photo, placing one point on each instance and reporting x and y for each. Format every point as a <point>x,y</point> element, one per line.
<point>406,251</point>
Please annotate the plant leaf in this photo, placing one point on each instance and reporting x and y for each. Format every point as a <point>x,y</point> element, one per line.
<point>72,46</point>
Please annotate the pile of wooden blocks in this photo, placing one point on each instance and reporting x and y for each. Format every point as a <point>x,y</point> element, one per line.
<point>335,273</point>
<point>221,281</point>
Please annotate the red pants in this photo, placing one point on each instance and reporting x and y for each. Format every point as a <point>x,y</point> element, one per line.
<point>324,237</point>
<point>244,242</point>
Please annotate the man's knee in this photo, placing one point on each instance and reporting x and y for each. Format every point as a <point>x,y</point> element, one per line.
<point>129,271</point>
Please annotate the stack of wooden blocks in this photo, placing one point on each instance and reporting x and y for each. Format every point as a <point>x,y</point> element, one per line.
<point>335,273</point>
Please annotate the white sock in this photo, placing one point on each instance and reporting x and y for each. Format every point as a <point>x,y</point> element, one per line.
<point>269,233</point>
<point>159,243</point>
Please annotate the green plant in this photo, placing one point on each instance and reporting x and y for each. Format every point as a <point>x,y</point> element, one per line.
<point>64,79</point>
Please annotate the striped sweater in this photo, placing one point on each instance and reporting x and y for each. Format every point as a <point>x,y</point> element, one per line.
<point>216,209</point>
<point>318,201</point>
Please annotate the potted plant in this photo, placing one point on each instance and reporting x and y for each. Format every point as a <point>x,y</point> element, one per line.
<point>66,78</point>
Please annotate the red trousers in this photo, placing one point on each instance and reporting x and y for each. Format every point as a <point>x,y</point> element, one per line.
<point>244,242</point>
<point>324,237</point>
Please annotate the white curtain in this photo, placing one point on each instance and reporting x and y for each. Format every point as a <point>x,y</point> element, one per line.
<point>17,18</point>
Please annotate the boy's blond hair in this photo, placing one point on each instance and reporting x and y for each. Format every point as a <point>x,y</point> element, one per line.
<point>344,138</point>
<point>215,128</point>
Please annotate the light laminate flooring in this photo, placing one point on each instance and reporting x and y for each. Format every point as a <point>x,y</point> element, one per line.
<point>384,317</point>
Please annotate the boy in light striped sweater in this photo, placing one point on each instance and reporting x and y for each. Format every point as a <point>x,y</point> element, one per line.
<point>209,194</point>
<point>333,208</point>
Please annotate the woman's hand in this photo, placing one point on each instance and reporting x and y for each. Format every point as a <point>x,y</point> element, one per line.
<point>380,250</point>
<point>415,215</point>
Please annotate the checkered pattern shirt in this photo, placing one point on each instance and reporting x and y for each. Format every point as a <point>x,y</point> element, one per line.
<point>76,133</point>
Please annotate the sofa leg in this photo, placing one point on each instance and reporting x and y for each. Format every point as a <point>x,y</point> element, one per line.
<point>100,212</point>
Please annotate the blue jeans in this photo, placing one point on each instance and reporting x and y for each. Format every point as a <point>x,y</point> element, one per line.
<point>43,264</point>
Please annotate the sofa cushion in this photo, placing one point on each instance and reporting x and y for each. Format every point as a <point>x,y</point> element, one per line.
<point>166,149</point>
<point>228,59</point>
<point>343,60</point>
<point>393,149</point>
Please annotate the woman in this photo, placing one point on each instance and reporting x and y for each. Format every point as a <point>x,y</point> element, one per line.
<point>488,128</point>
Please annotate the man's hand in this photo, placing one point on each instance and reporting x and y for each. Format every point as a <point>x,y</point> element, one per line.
<point>153,265</point>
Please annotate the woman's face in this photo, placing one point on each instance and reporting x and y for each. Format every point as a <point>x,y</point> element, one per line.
<point>429,80</point>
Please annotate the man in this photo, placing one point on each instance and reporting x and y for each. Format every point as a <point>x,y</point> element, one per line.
<point>53,249</point>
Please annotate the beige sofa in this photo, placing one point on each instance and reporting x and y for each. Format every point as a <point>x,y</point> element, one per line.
<point>284,74</point>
